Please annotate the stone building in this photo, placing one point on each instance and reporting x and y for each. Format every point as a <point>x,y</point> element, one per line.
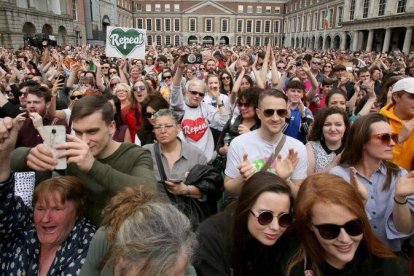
<point>22,21</point>
<point>125,14</point>
<point>380,25</point>
<point>210,22</point>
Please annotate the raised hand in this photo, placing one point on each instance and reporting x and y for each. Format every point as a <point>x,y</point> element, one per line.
<point>359,187</point>
<point>245,168</point>
<point>405,185</point>
<point>77,152</point>
<point>9,129</point>
<point>284,168</point>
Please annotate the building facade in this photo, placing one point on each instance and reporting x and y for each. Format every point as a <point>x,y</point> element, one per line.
<point>210,22</point>
<point>125,13</point>
<point>380,25</point>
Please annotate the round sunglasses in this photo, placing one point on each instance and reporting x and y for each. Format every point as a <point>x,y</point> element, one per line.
<point>266,217</point>
<point>270,112</point>
<point>331,231</point>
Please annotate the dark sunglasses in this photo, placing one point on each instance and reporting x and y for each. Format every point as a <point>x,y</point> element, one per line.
<point>270,112</point>
<point>76,97</point>
<point>195,93</point>
<point>139,88</point>
<point>22,94</point>
<point>225,78</point>
<point>149,114</point>
<point>331,231</point>
<point>202,68</point>
<point>266,217</point>
<point>281,68</point>
<point>113,84</point>
<point>113,72</point>
<point>166,77</point>
<point>244,105</point>
<point>319,63</point>
<point>386,137</point>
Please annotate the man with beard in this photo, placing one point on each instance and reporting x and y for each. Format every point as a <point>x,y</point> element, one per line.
<point>37,103</point>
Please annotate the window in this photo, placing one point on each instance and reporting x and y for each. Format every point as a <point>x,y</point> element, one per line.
<point>167,24</point>
<point>239,41</point>
<point>259,9</point>
<point>330,22</point>
<point>240,9</point>
<point>340,15</point>
<point>401,6</point>
<point>322,19</point>
<point>315,20</point>
<point>352,10</point>
<point>139,7</point>
<point>276,41</point>
<point>167,7</point>
<point>258,26</point>
<point>239,26</point>
<point>158,25</point>
<point>158,37</point>
<point>249,24</point>
<point>176,7</point>
<point>148,7</point>
<point>268,9</point>
<point>176,25</point>
<point>365,9</point>
<point>168,40</point>
<point>257,41</point>
<point>149,40</point>
<point>249,40</point>
<point>208,27</point>
<point>192,25</point>
<point>75,9</point>
<point>381,8</point>
<point>149,24</point>
<point>249,9</point>
<point>176,40</point>
<point>140,23</point>
<point>275,26</point>
<point>277,10</point>
<point>224,25</point>
<point>267,26</point>
<point>157,7</point>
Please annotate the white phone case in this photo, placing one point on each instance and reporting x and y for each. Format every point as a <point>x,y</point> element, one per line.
<point>55,135</point>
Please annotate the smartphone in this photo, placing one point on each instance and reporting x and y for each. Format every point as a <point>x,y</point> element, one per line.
<point>348,68</point>
<point>55,135</point>
<point>61,78</point>
<point>175,181</point>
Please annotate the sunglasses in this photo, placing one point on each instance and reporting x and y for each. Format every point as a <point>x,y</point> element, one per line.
<point>22,94</point>
<point>139,88</point>
<point>195,93</point>
<point>112,72</point>
<point>244,105</point>
<point>331,231</point>
<point>225,78</point>
<point>270,112</point>
<point>149,114</point>
<point>281,68</point>
<point>166,77</point>
<point>76,97</point>
<point>202,68</point>
<point>386,137</point>
<point>266,217</point>
<point>113,84</point>
<point>316,63</point>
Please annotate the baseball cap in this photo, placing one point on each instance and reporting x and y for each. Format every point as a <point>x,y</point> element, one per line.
<point>406,84</point>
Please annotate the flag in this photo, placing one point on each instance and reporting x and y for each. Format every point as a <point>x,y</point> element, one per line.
<point>326,20</point>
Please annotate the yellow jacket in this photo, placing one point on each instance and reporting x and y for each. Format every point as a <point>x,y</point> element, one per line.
<point>403,153</point>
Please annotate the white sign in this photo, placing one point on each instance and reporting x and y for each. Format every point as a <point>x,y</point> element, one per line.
<point>125,42</point>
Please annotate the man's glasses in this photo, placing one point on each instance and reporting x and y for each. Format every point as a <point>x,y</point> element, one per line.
<point>149,114</point>
<point>270,112</point>
<point>331,231</point>
<point>76,97</point>
<point>160,127</point>
<point>246,105</point>
<point>386,138</point>
<point>195,93</point>
<point>139,88</point>
<point>266,217</point>
<point>167,77</point>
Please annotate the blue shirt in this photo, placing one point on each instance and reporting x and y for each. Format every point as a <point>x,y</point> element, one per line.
<point>380,204</point>
<point>293,129</point>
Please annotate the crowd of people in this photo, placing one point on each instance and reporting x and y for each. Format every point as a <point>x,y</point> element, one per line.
<point>256,161</point>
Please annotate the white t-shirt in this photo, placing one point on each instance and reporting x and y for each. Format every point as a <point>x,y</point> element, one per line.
<point>259,151</point>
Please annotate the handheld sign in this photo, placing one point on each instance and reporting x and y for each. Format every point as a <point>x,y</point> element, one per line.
<point>125,42</point>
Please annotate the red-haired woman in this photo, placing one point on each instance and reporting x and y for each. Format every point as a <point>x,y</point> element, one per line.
<point>334,232</point>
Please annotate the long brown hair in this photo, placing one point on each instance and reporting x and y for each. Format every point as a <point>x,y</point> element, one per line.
<point>330,189</point>
<point>359,135</point>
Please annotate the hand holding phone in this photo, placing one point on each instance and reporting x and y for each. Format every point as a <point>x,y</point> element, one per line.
<point>55,135</point>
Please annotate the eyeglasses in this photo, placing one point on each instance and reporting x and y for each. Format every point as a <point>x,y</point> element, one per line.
<point>225,78</point>
<point>149,114</point>
<point>76,97</point>
<point>202,68</point>
<point>160,127</point>
<point>318,63</point>
<point>246,105</point>
<point>386,137</point>
<point>195,93</point>
<point>281,68</point>
<point>270,112</point>
<point>22,94</point>
<point>331,231</point>
<point>266,217</point>
<point>112,72</point>
<point>139,88</point>
<point>166,77</point>
<point>113,84</point>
